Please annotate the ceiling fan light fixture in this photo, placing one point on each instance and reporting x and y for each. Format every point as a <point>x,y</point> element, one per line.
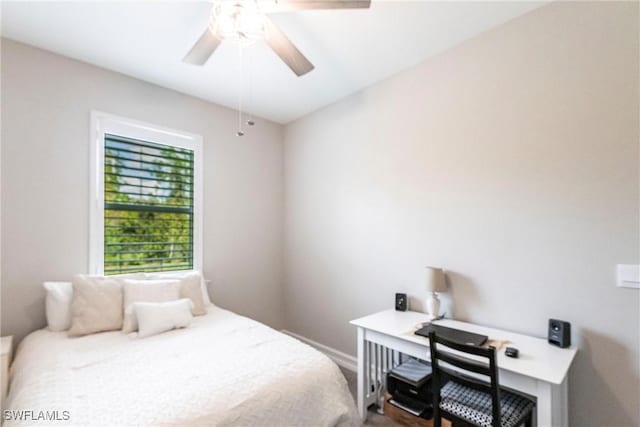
<point>241,21</point>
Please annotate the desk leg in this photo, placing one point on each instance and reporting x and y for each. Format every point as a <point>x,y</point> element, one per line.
<point>552,404</point>
<point>564,395</point>
<point>362,363</point>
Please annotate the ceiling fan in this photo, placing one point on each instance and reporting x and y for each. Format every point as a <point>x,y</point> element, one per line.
<point>247,21</point>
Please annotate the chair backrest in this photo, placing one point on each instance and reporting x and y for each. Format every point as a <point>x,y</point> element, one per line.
<point>488,368</point>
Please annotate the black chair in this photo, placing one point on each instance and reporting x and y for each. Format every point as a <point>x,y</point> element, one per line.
<point>465,400</point>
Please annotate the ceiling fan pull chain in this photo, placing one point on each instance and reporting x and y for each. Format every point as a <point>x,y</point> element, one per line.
<point>250,121</point>
<point>240,87</point>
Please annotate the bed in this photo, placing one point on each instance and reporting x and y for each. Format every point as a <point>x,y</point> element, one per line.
<point>223,370</point>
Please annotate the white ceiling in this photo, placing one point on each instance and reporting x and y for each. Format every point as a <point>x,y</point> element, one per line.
<point>351,49</point>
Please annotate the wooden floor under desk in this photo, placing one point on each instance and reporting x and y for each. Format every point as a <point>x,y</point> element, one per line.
<point>407,419</point>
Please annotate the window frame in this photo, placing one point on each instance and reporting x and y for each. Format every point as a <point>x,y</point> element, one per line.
<point>103,123</point>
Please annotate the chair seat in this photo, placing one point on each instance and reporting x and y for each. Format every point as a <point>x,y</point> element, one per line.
<point>474,406</point>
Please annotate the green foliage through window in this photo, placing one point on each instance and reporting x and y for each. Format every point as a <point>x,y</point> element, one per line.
<point>148,206</point>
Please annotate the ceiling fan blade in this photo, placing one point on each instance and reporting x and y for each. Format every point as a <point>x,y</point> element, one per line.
<point>286,50</point>
<point>202,49</point>
<point>293,5</point>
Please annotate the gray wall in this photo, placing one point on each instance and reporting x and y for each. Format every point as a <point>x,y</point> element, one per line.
<point>46,100</point>
<point>512,162</point>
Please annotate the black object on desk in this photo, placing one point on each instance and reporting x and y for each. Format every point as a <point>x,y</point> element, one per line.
<point>455,335</point>
<point>511,352</point>
<point>559,333</point>
<point>401,302</point>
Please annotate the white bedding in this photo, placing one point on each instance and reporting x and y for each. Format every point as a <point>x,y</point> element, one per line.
<point>223,370</point>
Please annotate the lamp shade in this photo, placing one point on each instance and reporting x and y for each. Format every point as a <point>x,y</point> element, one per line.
<point>435,280</point>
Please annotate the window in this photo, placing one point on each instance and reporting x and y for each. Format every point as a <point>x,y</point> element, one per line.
<point>146,198</point>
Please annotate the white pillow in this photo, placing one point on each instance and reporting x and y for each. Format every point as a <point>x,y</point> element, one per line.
<point>168,275</point>
<point>190,288</point>
<point>60,296</point>
<point>96,305</point>
<point>146,291</point>
<point>154,318</point>
<point>58,305</point>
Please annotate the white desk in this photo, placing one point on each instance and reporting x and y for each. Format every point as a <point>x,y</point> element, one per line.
<point>540,371</point>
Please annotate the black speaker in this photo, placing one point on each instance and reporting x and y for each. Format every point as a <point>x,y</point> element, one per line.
<point>559,333</point>
<point>401,302</point>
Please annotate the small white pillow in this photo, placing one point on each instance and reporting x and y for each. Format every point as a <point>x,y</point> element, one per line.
<point>156,317</point>
<point>58,305</point>
<point>146,291</point>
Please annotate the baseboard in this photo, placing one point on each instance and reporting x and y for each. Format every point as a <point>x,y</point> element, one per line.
<point>343,360</point>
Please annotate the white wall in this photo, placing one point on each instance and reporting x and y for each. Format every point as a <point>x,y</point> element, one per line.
<point>512,162</point>
<point>46,100</point>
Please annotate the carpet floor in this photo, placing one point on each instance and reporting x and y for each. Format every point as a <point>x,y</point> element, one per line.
<point>373,418</point>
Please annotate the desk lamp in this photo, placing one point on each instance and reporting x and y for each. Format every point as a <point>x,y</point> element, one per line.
<point>435,283</point>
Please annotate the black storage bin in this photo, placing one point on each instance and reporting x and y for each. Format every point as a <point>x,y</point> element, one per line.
<point>409,385</point>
